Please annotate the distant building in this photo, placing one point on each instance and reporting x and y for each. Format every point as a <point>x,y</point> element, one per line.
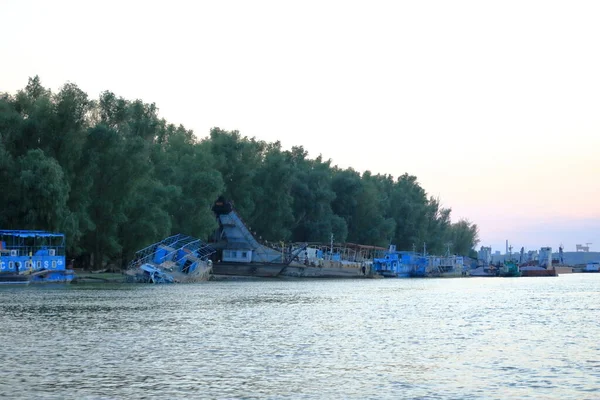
<point>545,257</point>
<point>580,247</point>
<point>532,255</point>
<point>485,255</point>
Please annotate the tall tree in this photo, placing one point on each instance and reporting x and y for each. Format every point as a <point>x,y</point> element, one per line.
<point>409,202</point>
<point>464,237</point>
<point>117,165</point>
<point>238,160</point>
<point>273,216</point>
<point>147,214</point>
<point>39,193</point>
<point>68,138</point>
<point>313,195</point>
<point>188,168</point>
<point>437,222</point>
<point>346,185</point>
<point>8,199</point>
<point>371,224</point>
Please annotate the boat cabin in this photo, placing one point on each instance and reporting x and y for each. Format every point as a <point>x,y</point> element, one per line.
<point>592,267</point>
<point>40,254</point>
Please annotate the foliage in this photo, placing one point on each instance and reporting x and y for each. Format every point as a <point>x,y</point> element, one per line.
<point>39,192</point>
<point>313,195</point>
<point>115,177</point>
<point>238,160</point>
<point>464,236</point>
<point>273,214</point>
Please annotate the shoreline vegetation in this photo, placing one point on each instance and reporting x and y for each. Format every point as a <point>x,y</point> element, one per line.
<point>115,177</point>
<point>82,276</point>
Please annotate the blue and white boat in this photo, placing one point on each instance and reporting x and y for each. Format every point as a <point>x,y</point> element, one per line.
<point>33,256</point>
<point>391,264</point>
<point>178,258</point>
<point>405,264</point>
<point>592,267</point>
<point>447,266</point>
<point>401,264</point>
<point>420,266</point>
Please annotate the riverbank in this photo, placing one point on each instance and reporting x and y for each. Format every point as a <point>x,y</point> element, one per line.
<point>82,276</point>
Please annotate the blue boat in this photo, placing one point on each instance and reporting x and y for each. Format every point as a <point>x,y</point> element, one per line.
<point>33,256</point>
<point>419,266</point>
<point>391,264</point>
<point>152,274</point>
<point>401,264</point>
<point>178,258</point>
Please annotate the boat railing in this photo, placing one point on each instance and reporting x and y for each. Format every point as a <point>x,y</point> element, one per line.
<point>153,246</point>
<point>32,251</point>
<point>189,245</point>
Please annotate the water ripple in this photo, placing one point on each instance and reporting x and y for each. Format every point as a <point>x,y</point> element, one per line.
<point>370,339</point>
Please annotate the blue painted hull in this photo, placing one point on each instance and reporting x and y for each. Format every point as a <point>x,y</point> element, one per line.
<point>60,276</point>
<point>13,279</point>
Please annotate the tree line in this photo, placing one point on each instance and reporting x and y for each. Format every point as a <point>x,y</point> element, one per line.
<point>114,177</point>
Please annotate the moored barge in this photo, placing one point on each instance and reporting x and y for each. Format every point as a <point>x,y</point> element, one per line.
<point>33,256</point>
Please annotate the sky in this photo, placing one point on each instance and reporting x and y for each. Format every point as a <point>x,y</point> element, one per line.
<point>493,106</point>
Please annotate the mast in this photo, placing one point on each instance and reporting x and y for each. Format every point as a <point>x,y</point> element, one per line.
<point>331,251</point>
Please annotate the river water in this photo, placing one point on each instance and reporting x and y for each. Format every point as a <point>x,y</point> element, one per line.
<point>473,338</point>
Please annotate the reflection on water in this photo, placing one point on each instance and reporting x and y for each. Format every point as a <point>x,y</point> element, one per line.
<point>439,338</point>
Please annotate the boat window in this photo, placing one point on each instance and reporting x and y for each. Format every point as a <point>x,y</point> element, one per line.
<point>18,264</point>
<point>10,265</point>
<point>38,264</point>
<point>54,264</point>
<point>244,254</point>
<point>234,254</point>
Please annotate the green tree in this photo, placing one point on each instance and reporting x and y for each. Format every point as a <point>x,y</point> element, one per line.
<point>115,177</point>
<point>464,236</point>
<point>408,204</point>
<point>8,198</point>
<point>371,223</point>
<point>66,143</point>
<point>10,128</point>
<point>38,117</point>
<point>238,160</point>
<point>436,223</point>
<point>347,185</point>
<point>313,196</point>
<point>273,216</point>
<point>147,214</point>
<point>117,164</point>
<point>188,168</point>
<point>40,193</point>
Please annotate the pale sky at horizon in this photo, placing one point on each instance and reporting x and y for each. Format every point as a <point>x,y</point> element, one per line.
<point>494,106</point>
